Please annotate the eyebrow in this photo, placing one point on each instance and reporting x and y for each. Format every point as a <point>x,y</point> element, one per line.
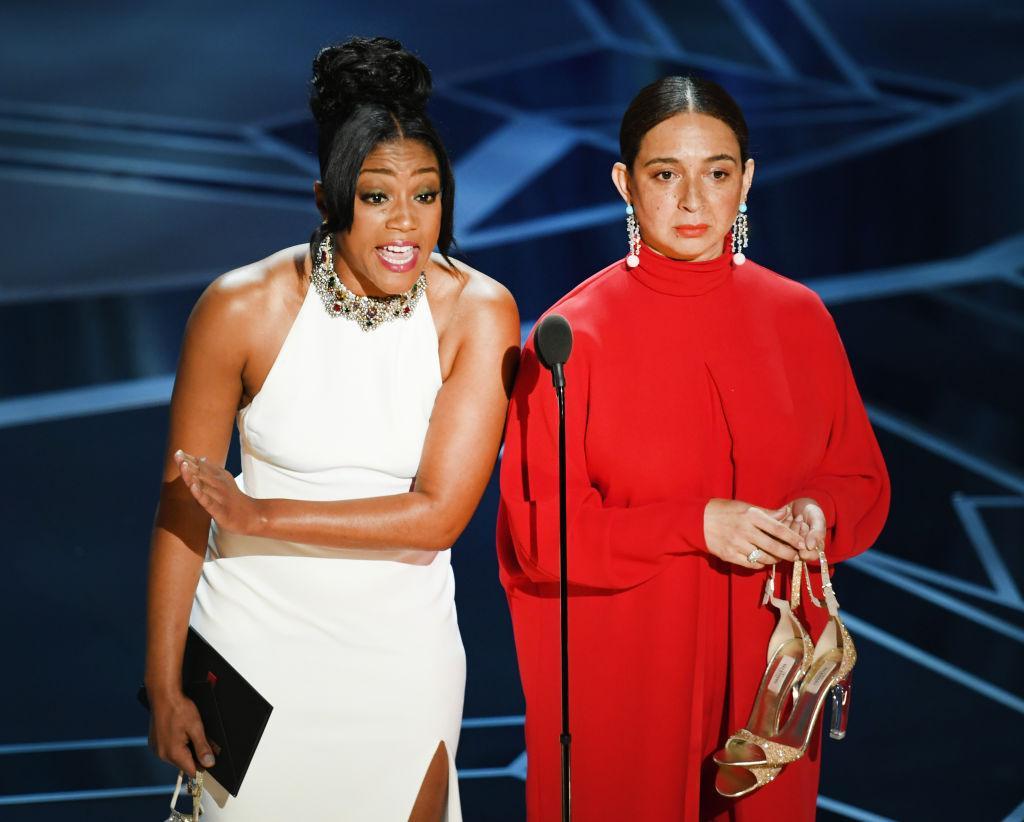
<point>427,170</point>
<point>673,161</point>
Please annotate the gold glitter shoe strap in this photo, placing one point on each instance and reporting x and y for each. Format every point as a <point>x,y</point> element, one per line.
<point>826,586</point>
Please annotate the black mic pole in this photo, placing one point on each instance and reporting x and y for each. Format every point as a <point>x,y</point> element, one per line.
<point>563,591</point>
<point>553,340</point>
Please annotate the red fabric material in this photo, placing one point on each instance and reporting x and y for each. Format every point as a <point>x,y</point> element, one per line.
<point>686,382</point>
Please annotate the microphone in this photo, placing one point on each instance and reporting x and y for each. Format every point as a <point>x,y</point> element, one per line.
<point>553,339</point>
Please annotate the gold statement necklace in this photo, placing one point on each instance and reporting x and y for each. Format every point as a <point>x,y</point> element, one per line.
<point>367,312</point>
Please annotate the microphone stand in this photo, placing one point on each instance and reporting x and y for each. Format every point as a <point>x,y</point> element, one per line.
<point>563,591</point>
<point>553,338</point>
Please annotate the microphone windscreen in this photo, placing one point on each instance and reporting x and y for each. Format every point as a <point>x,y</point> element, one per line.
<point>553,340</point>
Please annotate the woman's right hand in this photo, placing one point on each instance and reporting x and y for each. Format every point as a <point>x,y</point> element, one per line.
<point>174,723</point>
<point>733,529</point>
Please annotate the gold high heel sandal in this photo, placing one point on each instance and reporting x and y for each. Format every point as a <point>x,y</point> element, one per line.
<point>789,656</point>
<point>833,661</point>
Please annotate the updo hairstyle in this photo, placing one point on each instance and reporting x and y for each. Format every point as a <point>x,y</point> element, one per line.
<point>669,96</point>
<point>368,91</point>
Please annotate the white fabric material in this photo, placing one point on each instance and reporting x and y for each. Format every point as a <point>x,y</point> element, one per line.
<point>358,651</point>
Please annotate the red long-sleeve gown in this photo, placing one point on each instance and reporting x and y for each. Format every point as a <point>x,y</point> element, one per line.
<point>687,381</point>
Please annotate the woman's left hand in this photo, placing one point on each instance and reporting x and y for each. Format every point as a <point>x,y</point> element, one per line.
<point>809,521</point>
<point>215,489</point>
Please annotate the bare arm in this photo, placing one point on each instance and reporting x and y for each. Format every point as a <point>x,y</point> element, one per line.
<point>458,454</point>
<point>206,395</point>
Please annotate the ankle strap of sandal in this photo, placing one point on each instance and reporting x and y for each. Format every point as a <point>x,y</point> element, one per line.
<point>799,573</point>
<point>794,584</point>
<point>769,593</point>
<point>826,587</point>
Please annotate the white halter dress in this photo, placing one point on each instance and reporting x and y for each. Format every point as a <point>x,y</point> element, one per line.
<point>358,651</point>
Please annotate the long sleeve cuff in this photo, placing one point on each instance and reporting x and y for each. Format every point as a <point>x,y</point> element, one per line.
<point>692,523</point>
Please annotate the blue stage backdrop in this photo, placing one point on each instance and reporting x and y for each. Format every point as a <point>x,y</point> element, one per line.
<point>146,148</point>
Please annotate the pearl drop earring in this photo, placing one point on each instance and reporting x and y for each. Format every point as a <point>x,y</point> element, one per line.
<point>740,233</point>
<point>633,233</point>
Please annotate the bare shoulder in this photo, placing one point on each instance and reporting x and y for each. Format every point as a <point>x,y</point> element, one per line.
<point>481,329</point>
<point>258,286</point>
<point>262,289</point>
<point>475,298</point>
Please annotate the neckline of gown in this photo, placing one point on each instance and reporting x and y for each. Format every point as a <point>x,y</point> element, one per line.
<point>681,278</point>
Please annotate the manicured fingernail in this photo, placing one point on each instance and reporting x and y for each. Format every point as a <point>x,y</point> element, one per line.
<point>179,453</point>
<point>208,760</point>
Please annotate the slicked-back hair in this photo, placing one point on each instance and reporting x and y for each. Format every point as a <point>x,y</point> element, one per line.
<point>673,95</point>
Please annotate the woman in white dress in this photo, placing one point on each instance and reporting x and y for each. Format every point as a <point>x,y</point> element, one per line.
<point>369,378</point>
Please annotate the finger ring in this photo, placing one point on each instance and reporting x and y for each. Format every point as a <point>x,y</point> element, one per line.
<point>754,556</point>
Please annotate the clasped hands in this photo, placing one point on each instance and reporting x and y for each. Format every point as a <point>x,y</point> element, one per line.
<point>733,529</point>
<point>215,489</point>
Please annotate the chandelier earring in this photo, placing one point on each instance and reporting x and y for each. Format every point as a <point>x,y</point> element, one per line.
<point>633,233</point>
<point>740,233</point>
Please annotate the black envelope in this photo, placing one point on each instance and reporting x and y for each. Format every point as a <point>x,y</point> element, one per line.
<point>233,712</point>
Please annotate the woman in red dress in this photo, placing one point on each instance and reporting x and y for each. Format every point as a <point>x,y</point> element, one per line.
<point>710,410</point>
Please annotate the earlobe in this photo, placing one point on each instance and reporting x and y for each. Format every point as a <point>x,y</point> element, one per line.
<point>620,177</point>
<point>318,196</point>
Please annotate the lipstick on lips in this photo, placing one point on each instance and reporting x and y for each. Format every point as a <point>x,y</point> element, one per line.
<point>695,230</point>
<point>400,256</point>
